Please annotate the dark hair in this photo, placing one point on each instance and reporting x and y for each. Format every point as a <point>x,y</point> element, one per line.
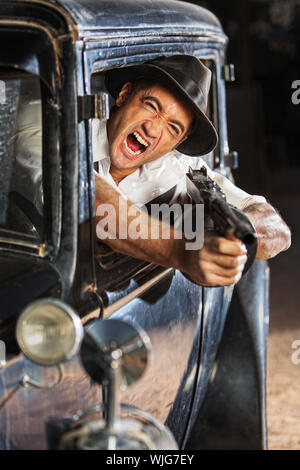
<point>137,85</point>
<point>142,84</point>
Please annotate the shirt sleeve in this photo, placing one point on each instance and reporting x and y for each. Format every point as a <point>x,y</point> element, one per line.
<point>234,195</point>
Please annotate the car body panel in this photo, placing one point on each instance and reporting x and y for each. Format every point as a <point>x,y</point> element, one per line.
<point>185,321</point>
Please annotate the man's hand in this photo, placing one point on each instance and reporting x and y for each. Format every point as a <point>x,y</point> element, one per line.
<point>219,263</point>
<point>273,234</point>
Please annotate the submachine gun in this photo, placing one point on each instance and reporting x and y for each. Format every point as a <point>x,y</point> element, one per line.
<point>219,214</point>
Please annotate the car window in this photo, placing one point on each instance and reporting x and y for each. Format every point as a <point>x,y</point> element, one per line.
<point>21,188</point>
<point>110,264</point>
<point>98,85</point>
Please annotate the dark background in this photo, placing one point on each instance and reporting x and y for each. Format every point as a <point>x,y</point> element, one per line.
<point>264,127</point>
<point>264,45</point>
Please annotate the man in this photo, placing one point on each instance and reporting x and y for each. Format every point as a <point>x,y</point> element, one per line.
<point>161,111</point>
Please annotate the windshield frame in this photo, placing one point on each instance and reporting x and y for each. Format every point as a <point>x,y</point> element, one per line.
<point>51,175</point>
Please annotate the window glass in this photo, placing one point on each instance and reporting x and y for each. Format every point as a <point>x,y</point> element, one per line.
<point>21,188</point>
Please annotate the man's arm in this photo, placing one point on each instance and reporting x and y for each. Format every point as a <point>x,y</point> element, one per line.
<point>219,262</point>
<point>274,235</point>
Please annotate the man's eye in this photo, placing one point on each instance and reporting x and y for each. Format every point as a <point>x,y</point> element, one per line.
<point>174,129</point>
<point>148,103</point>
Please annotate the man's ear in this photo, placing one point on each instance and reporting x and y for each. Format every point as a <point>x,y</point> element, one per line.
<point>182,140</point>
<point>186,135</point>
<point>124,94</point>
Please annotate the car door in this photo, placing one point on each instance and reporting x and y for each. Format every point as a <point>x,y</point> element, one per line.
<point>184,321</point>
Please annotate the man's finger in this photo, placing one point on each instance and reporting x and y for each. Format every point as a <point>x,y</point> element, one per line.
<point>224,271</point>
<point>214,279</point>
<point>230,235</point>
<point>228,261</point>
<point>224,246</point>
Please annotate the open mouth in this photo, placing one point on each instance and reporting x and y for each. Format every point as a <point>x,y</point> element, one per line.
<point>135,144</point>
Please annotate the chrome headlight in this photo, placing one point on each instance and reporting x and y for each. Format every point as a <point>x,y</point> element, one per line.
<point>49,332</point>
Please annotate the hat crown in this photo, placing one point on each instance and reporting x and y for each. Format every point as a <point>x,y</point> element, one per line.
<point>186,75</point>
<point>189,72</point>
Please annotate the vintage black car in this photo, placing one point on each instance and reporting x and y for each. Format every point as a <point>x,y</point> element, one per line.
<point>206,378</point>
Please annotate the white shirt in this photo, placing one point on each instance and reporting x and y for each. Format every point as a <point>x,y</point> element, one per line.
<point>155,178</point>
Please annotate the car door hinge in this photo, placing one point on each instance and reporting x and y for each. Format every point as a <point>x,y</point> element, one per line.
<point>232,160</point>
<point>93,106</point>
<point>229,73</point>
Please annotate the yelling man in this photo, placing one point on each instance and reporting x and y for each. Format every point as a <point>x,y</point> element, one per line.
<point>159,107</point>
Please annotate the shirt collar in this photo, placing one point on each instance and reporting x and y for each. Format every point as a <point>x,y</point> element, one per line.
<point>99,140</point>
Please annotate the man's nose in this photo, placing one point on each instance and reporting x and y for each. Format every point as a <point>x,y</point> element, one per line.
<point>153,127</point>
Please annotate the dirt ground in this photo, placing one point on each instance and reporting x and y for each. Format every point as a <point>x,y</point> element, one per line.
<point>283,378</point>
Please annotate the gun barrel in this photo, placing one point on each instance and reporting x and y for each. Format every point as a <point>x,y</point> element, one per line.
<point>245,235</point>
<point>226,219</point>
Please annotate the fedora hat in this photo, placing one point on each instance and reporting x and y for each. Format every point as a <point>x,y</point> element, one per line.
<point>189,78</point>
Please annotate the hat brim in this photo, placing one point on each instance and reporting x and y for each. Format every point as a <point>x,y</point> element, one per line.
<point>203,138</point>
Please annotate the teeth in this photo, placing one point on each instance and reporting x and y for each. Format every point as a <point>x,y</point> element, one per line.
<point>131,151</point>
<point>140,139</point>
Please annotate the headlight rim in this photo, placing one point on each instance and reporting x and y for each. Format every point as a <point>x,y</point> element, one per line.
<point>67,310</point>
